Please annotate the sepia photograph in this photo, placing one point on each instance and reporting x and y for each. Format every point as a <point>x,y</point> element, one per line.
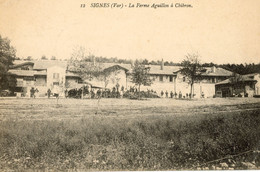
<point>128,85</point>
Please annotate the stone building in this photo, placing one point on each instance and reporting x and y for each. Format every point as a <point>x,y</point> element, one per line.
<point>55,75</point>
<point>43,75</point>
<point>239,86</point>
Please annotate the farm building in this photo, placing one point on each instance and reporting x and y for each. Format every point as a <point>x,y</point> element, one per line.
<point>57,75</point>
<point>43,75</point>
<point>240,85</point>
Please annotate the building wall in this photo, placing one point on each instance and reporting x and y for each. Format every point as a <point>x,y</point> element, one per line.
<point>257,85</point>
<point>56,79</point>
<point>114,78</point>
<point>40,84</point>
<point>161,83</point>
<point>206,86</point>
<point>179,84</point>
<point>25,67</point>
<point>73,82</point>
<point>40,81</point>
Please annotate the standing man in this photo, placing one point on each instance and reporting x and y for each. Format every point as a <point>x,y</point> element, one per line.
<point>32,92</point>
<point>66,93</point>
<point>180,95</point>
<point>162,93</point>
<point>99,93</point>
<point>171,94</point>
<point>49,93</point>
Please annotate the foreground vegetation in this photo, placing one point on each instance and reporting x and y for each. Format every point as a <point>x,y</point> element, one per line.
<point>155,142</point>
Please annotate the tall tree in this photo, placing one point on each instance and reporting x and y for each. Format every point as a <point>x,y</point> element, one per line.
<point>53,58</point>
<point>79,63</point>
<point>44,57</point>
<point>29,58</point>
<point>140,75</point>
<point>191,68</point>
<point>7,56</point>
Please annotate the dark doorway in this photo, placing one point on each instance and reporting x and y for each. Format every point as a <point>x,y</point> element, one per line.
<point>226,92</point>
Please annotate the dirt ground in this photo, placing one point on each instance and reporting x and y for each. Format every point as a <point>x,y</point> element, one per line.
<point>51,109</point>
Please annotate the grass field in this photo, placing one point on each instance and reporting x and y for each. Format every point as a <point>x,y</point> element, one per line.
<point>122,134</point>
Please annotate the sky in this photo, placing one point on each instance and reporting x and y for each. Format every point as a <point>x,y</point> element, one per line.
<point>220,31</point>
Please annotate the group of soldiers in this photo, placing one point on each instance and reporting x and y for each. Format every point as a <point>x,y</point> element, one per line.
<point>95,93</point>
<point>115,92</point>
<point>180,95</point>
<point>172,95</point>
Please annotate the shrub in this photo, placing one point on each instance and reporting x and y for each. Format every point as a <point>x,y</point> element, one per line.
<point>143,94</point>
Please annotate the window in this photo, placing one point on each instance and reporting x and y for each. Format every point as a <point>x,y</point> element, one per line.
<point>161,78</point>
<point>213,80</point>
<point>56,75</point>
<point>80,81</point>
<point>19,82</point>
<point>55,83</point>
<point>184,79</point>
<point>25,68</point>
<point>171,79</point>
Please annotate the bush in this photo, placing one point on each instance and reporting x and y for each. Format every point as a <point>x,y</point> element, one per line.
<point>143,94</point>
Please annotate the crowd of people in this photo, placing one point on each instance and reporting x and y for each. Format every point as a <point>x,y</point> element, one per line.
<point>88,92</point>
<point>115,92</point>
<point>166,94</point>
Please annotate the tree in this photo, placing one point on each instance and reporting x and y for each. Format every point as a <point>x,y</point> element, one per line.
<point>140,75</point>
<point>236,78</point>
<point>44,57</point>
<point>7,56</point>
<point>145,62</point>
<point>79,63</point>
<point>29,58</point>
<point>191,68</point>
<point>53,58</point>
<point>110,74</point>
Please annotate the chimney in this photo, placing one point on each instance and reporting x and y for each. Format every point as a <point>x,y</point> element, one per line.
<point>162,65</point>
<point>213,69</point>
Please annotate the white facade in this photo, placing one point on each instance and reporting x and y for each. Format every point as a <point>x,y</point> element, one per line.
<point>257,85</point>
<point>56,78</point>
<point>115,77</point>
<point>52,75</point>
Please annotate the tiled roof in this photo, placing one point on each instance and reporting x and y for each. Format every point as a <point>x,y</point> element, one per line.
<point>252,74</point>
<point>167,70</point>
<point>242,78</point>
<point>41,64</point>
<point>154,69</point>
<point>109,65</point>
<point>43,72</point>
<point>44,64</point>
<point>71,74</point>
<point>22,72</point>
<point>218,72</point>
<point>21,63</point>
<point>35,73</point>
